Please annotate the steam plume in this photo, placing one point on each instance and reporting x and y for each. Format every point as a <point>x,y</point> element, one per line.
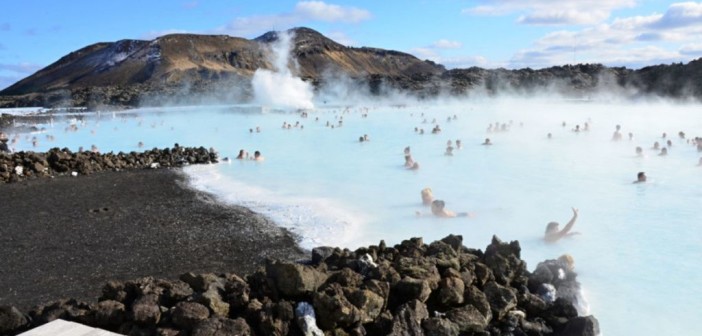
<point>280,88</point>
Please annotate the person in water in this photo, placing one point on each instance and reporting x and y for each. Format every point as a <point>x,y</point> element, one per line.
<point>242,155</point>
<point>257,156</point>
<point>438,208</point>
<point>487,142</point>
<point>409,162</point>
<point>553,232</point>
<point>640,177</point>
<point>617,134</point>
<point>427,196</point>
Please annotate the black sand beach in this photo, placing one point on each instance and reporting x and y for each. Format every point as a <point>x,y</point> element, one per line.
<point>66,237</point>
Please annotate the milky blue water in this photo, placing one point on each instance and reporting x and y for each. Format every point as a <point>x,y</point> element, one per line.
<point>639,251</point>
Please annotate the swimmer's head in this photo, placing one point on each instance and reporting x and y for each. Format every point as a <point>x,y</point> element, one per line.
<point>552,227</point>
<point>641,177</point>
<point>438,205</point>
<point>427,196</point>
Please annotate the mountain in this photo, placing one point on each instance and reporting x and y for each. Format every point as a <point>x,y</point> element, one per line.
<point>181,67</point>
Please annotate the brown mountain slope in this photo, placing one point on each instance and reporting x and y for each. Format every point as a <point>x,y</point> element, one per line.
<point>205,59</point>
<point>317,54</point>
<point>165,60</point>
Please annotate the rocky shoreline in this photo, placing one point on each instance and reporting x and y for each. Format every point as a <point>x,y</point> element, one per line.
<point>110,226</point>
<point>413,288</point>
<point>56,162</point>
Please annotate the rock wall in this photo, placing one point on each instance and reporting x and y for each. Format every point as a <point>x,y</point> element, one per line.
<point>442,288</point>
<point>28,165</point>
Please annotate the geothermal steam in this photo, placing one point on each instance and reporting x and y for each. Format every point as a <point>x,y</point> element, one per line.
<point>279,88</point>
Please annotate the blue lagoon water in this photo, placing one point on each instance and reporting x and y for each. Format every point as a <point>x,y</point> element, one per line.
<point>639,251</point>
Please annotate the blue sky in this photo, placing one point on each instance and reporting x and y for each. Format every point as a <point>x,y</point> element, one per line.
<point>485,33</point>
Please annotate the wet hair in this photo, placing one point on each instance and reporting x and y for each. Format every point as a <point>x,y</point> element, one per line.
<point>552,227</point>
<point>426,193</point>
<point>439,204</point>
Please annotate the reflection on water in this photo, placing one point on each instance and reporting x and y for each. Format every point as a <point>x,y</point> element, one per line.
<point>639,245</point>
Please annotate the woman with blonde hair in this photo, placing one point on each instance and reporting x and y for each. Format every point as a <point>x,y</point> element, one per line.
<point>427,196</point>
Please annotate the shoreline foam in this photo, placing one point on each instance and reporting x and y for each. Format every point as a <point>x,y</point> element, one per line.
<point>315,221</point>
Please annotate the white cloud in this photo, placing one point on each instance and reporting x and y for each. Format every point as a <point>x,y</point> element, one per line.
<point>304,11</point>
<point>564,17</point>
<point>320,11</point>
<point>692,49</point>
<point>549,12</point>
<point>446,44</point>
<point>633,41</point>
<point>680,15</point>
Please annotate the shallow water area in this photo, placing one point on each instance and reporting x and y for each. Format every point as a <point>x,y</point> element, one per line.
<point>638,251</point>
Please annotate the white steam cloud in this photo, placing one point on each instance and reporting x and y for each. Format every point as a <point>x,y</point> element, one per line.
<point>279,88</point>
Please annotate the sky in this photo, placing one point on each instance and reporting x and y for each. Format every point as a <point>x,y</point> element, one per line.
<point>458,34</point>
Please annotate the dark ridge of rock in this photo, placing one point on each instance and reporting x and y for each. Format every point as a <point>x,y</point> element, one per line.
<point>19,166</point>
<point>346,300</point>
